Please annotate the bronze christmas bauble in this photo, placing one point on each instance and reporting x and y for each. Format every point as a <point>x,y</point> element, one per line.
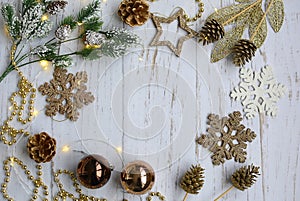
<point>137,177</point>
<point>93,171</point>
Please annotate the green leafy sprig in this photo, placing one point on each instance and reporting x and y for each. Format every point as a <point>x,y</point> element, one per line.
<point>114,42</point>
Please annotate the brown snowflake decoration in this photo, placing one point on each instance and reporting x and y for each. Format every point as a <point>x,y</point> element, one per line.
<point>226,138</point>
<point>66,93</point>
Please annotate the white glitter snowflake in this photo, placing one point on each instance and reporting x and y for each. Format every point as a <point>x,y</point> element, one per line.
<point>258,92</point>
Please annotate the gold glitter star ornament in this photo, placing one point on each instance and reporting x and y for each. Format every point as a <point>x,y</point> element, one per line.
<point>179,15</point>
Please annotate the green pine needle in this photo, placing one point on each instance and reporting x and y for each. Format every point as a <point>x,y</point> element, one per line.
<point>90,53</point>
<point>11,21</point>
<point>28,4</point>
<point>90,11</point>
<point>93,24</point>
<point>70,20</point>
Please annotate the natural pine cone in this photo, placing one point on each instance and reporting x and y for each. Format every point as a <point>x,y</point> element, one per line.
<point>41,147</point>
<point>243,51</point>
<point>192,181</point>
<point>245,177</point>
<point>55,6</point>
<point>211,32</point>
<point>134,12</point>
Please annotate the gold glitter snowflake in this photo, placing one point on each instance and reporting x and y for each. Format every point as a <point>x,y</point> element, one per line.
<point>226,138</point>
<point>66,93</point>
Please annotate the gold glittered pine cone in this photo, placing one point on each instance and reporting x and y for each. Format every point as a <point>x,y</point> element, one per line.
<point>245,177</point>
<point>134,12</point>
<point>41,147</point>
<point>193,180</point>
<point>243,51</point>
<point>211,32</point>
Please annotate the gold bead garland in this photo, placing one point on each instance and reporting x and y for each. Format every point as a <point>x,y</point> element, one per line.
<point>38,182</point>
<point>197,16</point>
<point>63,194</point>
<point>157,194</point>
<point>25,91</point>
<point>199,13</point>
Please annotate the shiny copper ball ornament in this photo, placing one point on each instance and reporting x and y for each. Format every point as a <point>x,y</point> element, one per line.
<point>137,177</point>
<point>93,171</point>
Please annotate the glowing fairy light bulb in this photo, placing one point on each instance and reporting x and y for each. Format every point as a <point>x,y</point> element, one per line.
<point>44,64</point>
<point>35,112</point>
<point>44,17</point>
<point>119,149</point>
<point>65,148</point>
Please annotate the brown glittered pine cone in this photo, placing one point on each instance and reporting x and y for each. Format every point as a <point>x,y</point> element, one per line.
<point>243,51</point>
<point>193,180</point>
<point>245,177</point>
<point>134,12</point>
<point>41,147</point>
<point>211,32</point>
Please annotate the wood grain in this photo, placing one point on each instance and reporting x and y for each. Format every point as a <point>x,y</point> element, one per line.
<point>149,101</point>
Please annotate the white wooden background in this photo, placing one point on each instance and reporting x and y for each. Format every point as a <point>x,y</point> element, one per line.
<point>150,105</point>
